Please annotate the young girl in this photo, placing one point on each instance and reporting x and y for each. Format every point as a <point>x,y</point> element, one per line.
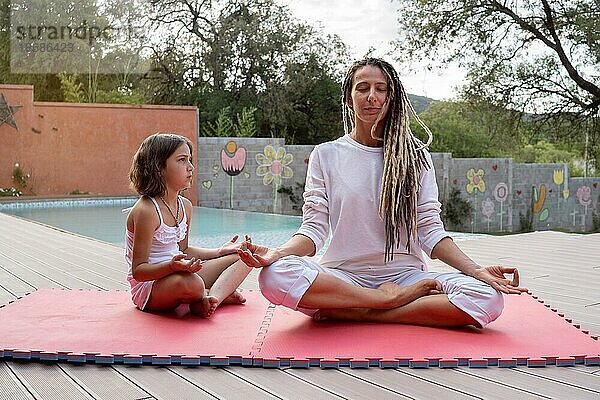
<point>164,271</point>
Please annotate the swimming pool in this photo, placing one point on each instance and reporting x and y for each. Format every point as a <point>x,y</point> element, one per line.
<point>211,227</point>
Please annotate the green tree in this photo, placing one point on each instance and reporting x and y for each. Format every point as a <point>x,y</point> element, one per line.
<point>48,87</point>
<point>466,130</point>
<point>248,53</point>
<point>225,126</point>
<point>536,55</point>
<point>539,58</point>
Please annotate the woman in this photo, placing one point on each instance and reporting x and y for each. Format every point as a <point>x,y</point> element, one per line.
<point>374,189</point>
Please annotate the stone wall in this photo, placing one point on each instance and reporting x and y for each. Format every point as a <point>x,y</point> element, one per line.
<point>251,173</point>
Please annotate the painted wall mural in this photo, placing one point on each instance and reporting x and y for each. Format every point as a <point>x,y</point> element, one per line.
<point>539,198</point>
<point>488,209</point>
<point>501,195</point>
<point>504,196</point>
<point>475,180</point>
<point>233,161</point>
<point>558,176</point>
<point>584,196</point>
<point>273,166</point>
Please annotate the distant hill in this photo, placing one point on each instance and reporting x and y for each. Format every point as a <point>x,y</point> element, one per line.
<point>420,103</point>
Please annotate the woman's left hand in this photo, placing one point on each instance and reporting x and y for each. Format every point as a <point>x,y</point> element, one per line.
<point>232,247</point>
<point>494,276</point>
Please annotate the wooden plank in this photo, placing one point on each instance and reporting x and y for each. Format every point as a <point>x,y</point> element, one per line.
<point>63,242</point>
<point>458,380</point>
<point>10,387</point>
<point>283,385</point>
<point>105,382</point>
<point>538,252</point>
<point>526,379</point>
<point>47,270</point>
<point>222,383</point>
<point>62,262</point>
<point>48,382</point>
<point>27,274</point>
<point>6,296</point>
<point>345,385</point>
<point>568,376</point>
<point>412,386</point>
<point>13,284</point>
<point>161,383</point>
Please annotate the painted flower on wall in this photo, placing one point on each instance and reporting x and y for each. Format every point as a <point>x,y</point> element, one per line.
<point>539,198</point>
<point>273,165</point>
<point>558,176</point>
<point>233,161</point>
<point>233,158</point>
<point>501,192</point>
<point>584,195</point>
<point>487,207</point>
<point>475,180</point>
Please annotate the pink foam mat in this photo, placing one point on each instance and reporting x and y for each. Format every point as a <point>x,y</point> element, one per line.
<point>87,323</point>
<point>104,327</point>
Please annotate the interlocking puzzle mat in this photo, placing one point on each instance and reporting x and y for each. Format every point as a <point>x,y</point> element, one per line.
<point>103,327</point>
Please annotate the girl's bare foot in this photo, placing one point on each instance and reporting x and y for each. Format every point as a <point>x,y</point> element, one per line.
<point>206,307</point>
<point>396,296</point>
<point>235,298</point>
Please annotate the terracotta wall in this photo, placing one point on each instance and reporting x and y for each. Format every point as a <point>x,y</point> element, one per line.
<point>86,147</point>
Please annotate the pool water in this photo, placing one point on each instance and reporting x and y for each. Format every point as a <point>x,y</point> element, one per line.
<point>210,227</point>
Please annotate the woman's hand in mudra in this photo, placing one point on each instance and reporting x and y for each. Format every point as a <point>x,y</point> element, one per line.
<point>257,256</point>
<point>232,246</point>
<point>495,277</point>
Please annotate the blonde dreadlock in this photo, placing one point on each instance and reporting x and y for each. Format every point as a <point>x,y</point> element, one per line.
<point>403,154</point>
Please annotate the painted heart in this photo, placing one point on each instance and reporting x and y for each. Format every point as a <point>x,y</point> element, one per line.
<point>207,184</point>
<point>595,185</point>
<point>455,182</point>
<point>519,192</point>
<point>549,190</point>
<point>495,167</point>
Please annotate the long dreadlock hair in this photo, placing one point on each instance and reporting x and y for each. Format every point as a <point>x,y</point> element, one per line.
<point>403,154</point>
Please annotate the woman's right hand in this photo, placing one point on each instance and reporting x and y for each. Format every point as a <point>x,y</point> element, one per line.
<point>257,256</point>
<point>179,263</point>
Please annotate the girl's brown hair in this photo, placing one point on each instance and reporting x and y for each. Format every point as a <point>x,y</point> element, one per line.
<point>403,154</point>
<point>146,174</point>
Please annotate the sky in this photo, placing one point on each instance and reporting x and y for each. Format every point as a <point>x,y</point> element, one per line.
<point>364,24</point>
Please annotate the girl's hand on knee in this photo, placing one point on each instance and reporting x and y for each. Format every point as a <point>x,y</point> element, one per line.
<point>495,277</point>
<point>179,263</point>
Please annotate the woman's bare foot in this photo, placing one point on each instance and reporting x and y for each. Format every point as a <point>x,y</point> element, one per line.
<point>235,298</point>
<point>348,314</point>
<point>206,307</point>
<point>396,296</point>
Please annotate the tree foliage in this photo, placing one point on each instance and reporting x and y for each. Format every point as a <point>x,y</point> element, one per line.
<point>468,130</point>
<point>528,55</point>
<point>537,57</point>
<point>248,53</point>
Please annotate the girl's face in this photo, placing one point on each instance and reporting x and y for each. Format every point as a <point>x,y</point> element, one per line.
<point>178,169</point>
<point>369,91</point>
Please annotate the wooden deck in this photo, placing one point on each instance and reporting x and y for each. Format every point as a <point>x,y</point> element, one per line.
<point>562,269</point>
